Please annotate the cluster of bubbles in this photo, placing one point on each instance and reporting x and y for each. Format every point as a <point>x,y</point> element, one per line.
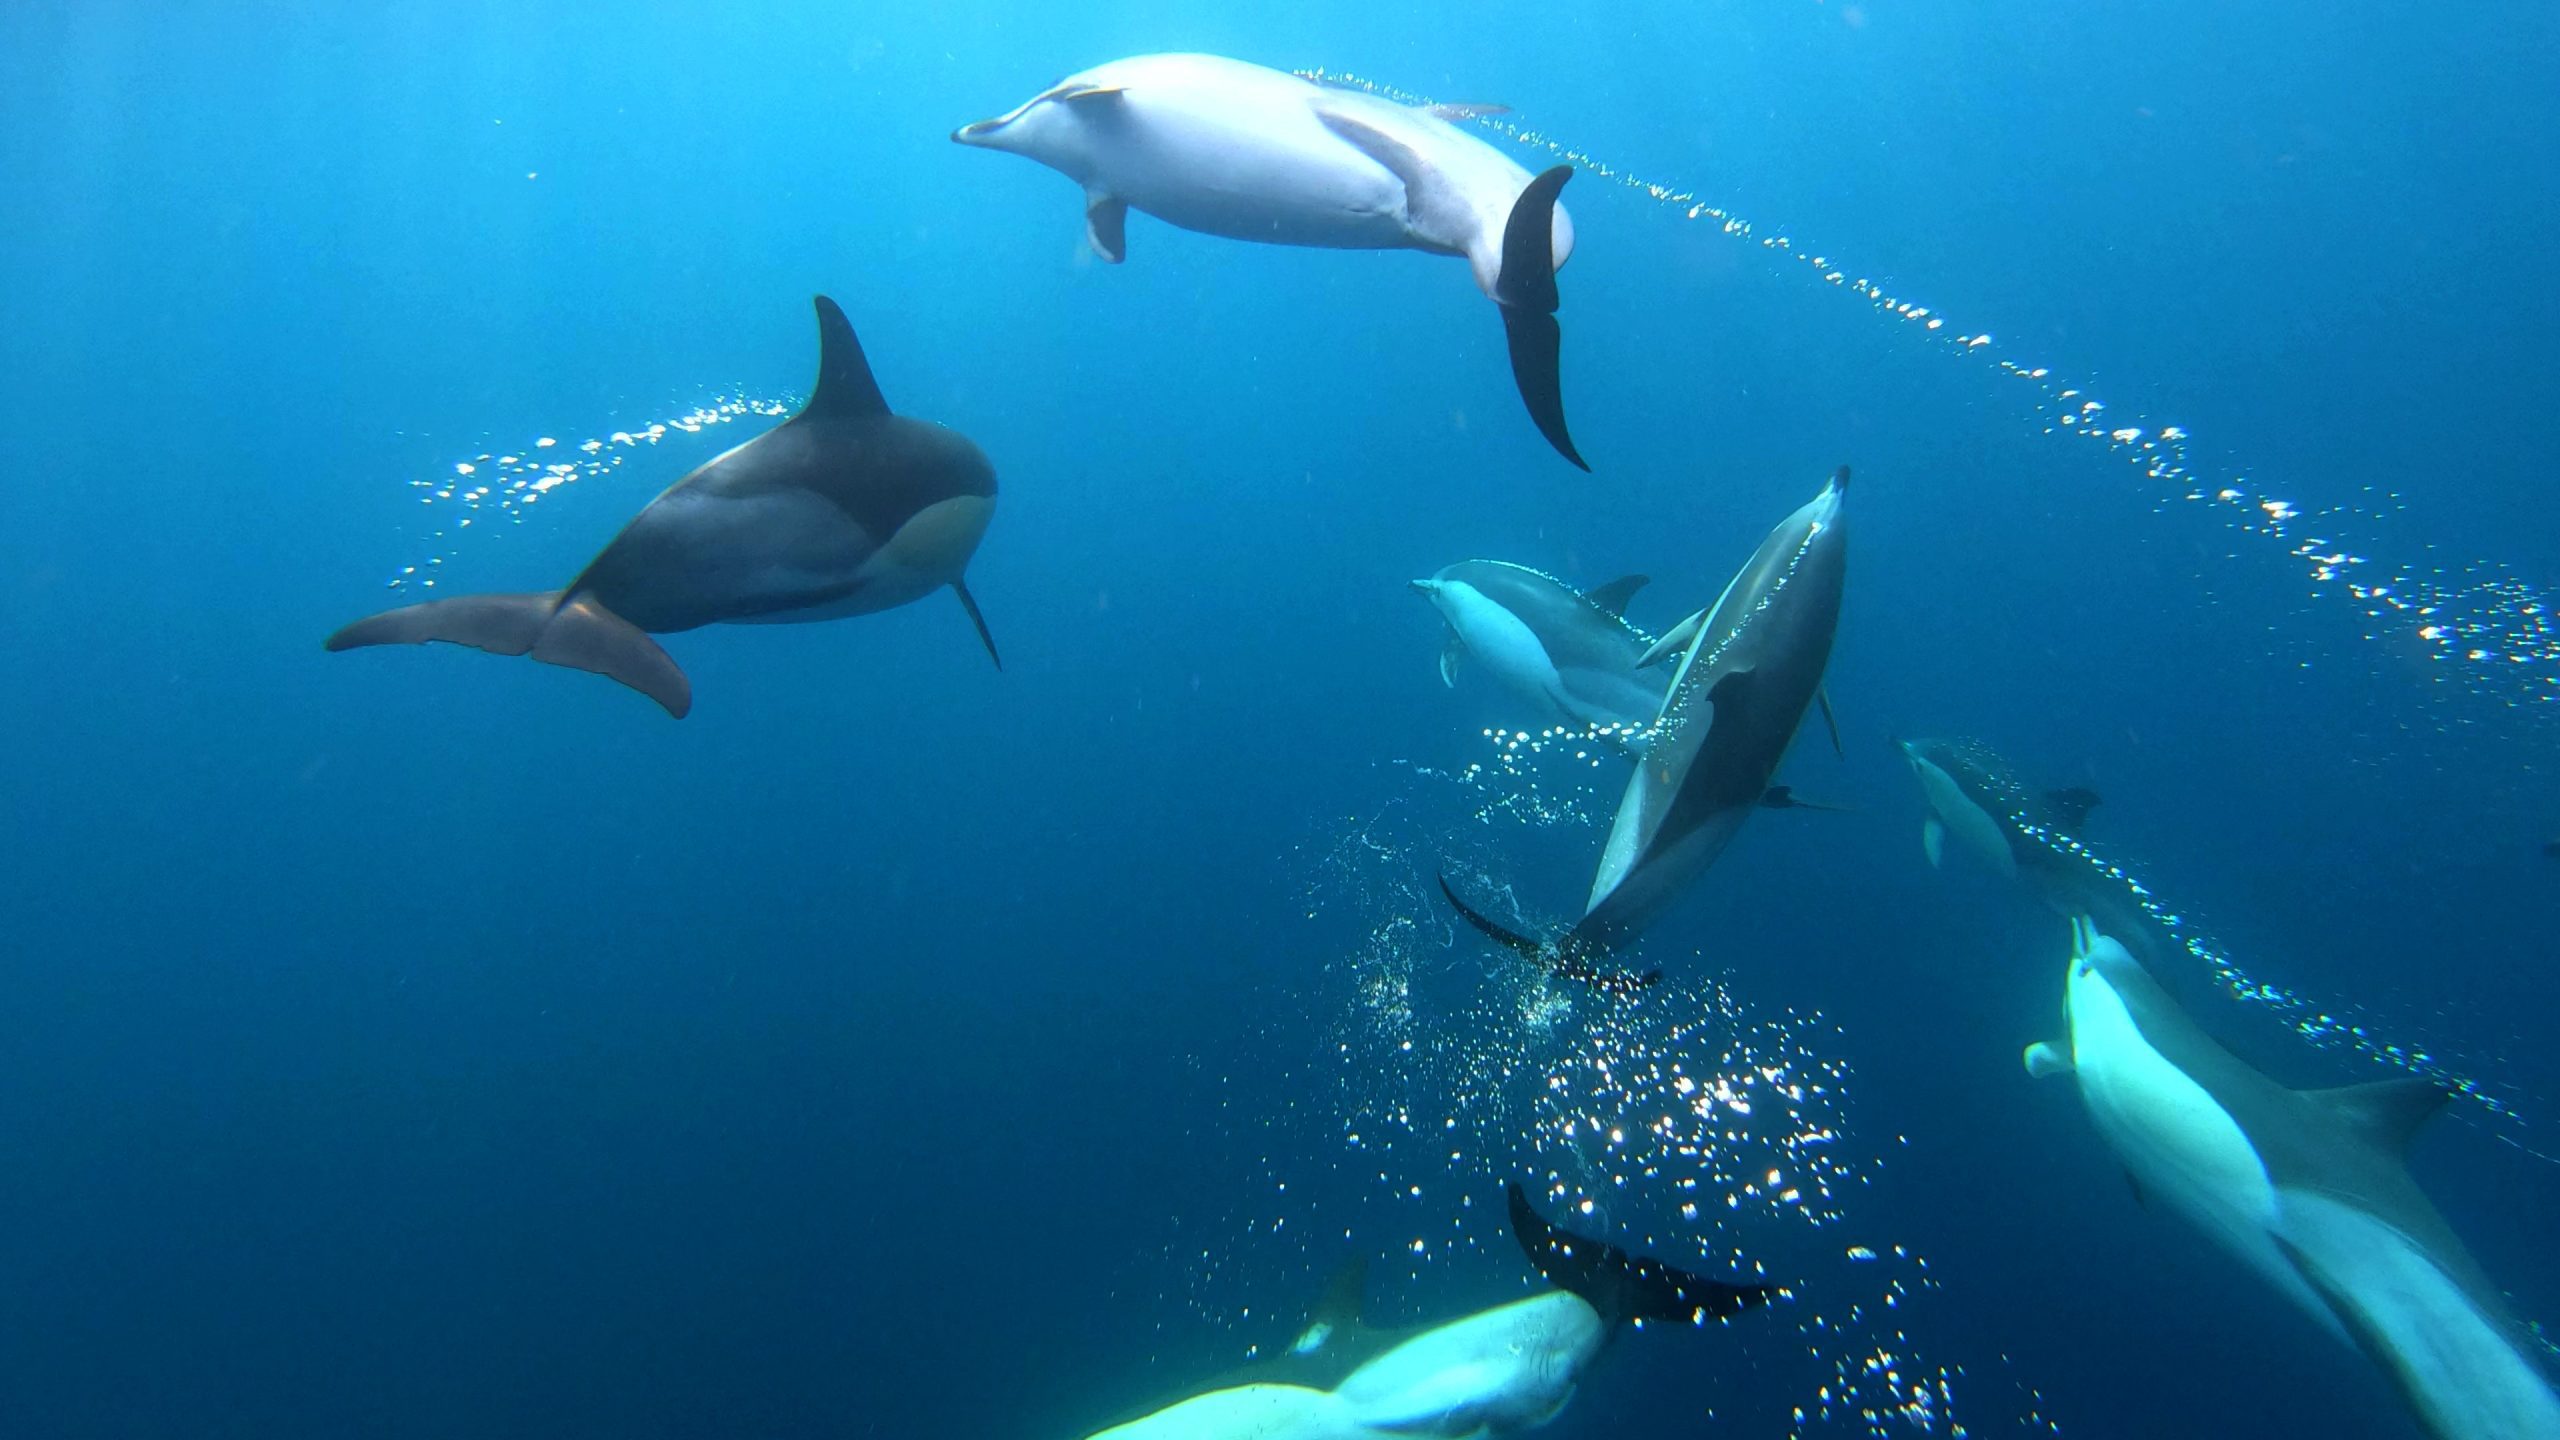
<point>506,486</point>
<point>1679,1120</point>
<point>2491,630</point>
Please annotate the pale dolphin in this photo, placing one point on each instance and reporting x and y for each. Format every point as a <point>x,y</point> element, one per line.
<point>2030,836</point>
<point>1234,149</point>
<point>843,509</point>
<point>1570,654</point>
<point>2310,1189</point>
<point>1497,1372</point>
<point>1750,666</point>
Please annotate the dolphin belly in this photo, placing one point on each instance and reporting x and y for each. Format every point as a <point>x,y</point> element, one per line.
<point>2459,1367</point>
<point>1496,1372</point>
<point>928,552</point>
<point>1505,645</point>
<point>1213,172</point>
<point>1974,827</point>
<point>2177,1141</point>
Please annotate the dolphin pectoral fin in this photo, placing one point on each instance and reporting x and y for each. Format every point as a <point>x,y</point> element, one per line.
<point>1106,226</point>
<point>1613,597</point>
<point>2141,1196</point>
<point>1784,797</point>
<point>2046,1060</point>
<point>1674,641</point>
<point>2386,1113</point>
<point>1621,1287</point>
<point>578,635</point>
<point>1451,651</point>
<point>969,603</point>
<point>1933,841</point>
<point>1822,697</point>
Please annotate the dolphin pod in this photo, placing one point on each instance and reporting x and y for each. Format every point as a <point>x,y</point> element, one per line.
<point>1496,1372</point>
<point>843,509</point>
<point>1249,153</point>
<point>2308,1189</point>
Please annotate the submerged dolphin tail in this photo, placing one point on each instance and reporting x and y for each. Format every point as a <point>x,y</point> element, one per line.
<point>1526,291</point>
<point>1571,956</point>
<point>1623,1287</point>
<point>578,634</point>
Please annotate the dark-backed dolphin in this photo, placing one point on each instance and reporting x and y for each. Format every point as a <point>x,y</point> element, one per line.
<point>843,509</point>
<point>1494,1373</point>
<point>1977,800</point>
<point>1228,148</point>
<point>1570,654</point>
<point>2310,1189</point>
<point>1750,666</point>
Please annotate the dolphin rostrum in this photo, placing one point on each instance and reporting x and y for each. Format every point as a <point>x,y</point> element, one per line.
<point>2308,1188</point>
<point>1497,1372</point>
<point>1571,654</point>
<point>2033,837</point>
<point>1228,148</point>
<point>1750,666</point>
<point>843,509</point>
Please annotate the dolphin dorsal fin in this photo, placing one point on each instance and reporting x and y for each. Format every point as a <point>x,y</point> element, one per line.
<point>845,389</point>
<point>2071,806</point>
<point>1337,1311</point>
<point>1620,1286</point>
<point>1613,597</point>
<point>2385,1112</point>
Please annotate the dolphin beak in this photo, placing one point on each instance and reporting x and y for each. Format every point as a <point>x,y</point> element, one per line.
<point>975,132</point>
<point>1424,587</point>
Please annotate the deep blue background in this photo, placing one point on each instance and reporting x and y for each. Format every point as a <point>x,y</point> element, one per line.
<point>417,1044</point>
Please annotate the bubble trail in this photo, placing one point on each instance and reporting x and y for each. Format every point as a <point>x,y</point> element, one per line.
<point>507,485</point>
<point>2491,631</point>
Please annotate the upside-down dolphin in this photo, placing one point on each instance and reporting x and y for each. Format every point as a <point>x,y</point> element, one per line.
<point>843,509</point>
<point>1571,654</point>
<point>2308,1188</point>
<point>1750,666</point>
<point>1228,148</point>
<point>2022,834</point>
<point>1497,1372</point>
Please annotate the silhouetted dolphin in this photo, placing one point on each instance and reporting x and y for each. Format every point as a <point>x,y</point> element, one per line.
<point>1572,655</point>
<point>1749,668</point>
<point>843,509</point>
<point>2308,1188</point>
<point>1227,148</point>
<point>1497,1372</point>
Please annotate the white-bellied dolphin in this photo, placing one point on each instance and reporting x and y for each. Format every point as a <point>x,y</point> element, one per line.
<point>843,509</point>
<point>1497,1372</point>
<point>1228,148</point>
<point>2031,836</point>
<point>1750,666</point>
<point>2308,1188</point>
<point>1571,654</point>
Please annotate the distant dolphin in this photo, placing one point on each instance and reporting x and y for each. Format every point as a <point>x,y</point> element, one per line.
<point>1749,669</point>
<point>1570,654</point>
<point>1497,1372</point>
<point>843,509</point>
<point>2026,835</point>
<point>2308,1188</point>
<point>1227,148</point>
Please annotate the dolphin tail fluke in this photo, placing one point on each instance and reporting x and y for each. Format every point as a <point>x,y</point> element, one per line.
<point>1493,929</point>
<point>578,634</point>
<point>1572,956</point>
<point>1526,291</point>
<point>1624,1287</point>
<point>969,603</point>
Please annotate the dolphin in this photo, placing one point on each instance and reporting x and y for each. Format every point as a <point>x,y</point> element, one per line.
<point>2022,834</point>
<point>1571,654</point>
<point>1234,149</point>
<point>843,509</point>
<point>2310,1189</point>
<point>1497,1372</point>
<point>1749,668</point>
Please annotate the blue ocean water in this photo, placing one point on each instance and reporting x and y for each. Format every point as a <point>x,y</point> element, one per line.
<point>413,1043</point>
